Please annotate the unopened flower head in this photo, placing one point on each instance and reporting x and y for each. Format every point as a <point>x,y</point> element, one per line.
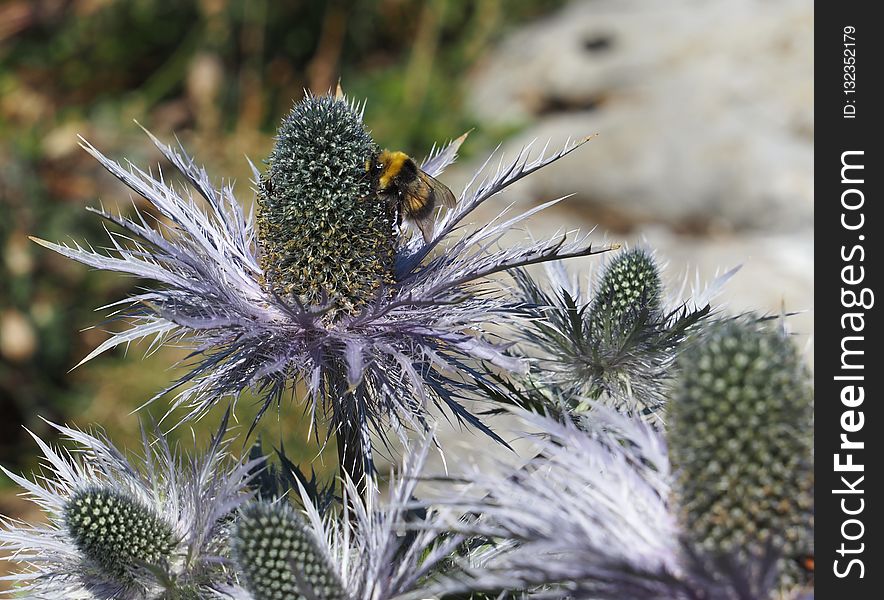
<point>375,549</point>
<point>154,528</point>
<point>741,438</point>
<point>116,533</point>
<point>616,341</point>
<point>630,285</point>
<point>277,555</point>
<point>376,323</point>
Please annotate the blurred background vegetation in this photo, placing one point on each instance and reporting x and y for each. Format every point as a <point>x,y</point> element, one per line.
<point>219,74</point>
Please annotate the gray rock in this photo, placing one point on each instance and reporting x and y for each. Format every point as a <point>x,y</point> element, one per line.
<point>704,109</point>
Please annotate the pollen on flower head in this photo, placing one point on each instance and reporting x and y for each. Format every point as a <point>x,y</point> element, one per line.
<point>740,437</point>
<point>324,236</point>
<point>116,533</point>
<point>278,556</point>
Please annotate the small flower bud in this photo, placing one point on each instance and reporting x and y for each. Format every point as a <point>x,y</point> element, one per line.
<point>630,284</point>
<point>116,533</point>
<point>278,556</point>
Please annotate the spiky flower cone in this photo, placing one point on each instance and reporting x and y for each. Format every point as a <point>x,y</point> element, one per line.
<point>628,355</point>
<point>740,437</point>
<point>324,237</point>
<point>629,285</point>
<point>116,533</point>
<point>278,556</point>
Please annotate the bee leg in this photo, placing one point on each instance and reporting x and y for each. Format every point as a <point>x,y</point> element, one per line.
<point>398,209</point>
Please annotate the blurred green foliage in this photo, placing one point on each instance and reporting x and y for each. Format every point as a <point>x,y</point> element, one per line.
<point>219,74</point>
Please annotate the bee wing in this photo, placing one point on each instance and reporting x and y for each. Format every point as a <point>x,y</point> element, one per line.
<point>440,189</point>
<point>416,205</point>
<point>427,225</point>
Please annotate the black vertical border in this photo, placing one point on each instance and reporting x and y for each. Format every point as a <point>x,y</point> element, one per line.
<point>834,135</point>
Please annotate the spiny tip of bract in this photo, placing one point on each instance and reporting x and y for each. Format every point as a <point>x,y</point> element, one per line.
<point>116,533</point>
<point>740,438</point>
<point>278,555</point>
<point>324,234</point>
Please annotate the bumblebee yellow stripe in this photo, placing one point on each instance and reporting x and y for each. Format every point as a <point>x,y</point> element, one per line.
<point>392,162</point>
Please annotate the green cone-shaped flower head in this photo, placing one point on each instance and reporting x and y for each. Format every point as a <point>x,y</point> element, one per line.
<point>278,556</point>
<point>741,426</point>
<point>629,284</point>
<point>116,532</point>
<point>324,236</point>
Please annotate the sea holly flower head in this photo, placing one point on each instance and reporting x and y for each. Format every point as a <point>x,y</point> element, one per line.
<point>323,236</point>
<point>277,554</point>
<point>741,439</point>
<point>328,291</point>
<point>630,285</point>
<point>152,528</point>
<point>616,341</point>
<point>116,533</point>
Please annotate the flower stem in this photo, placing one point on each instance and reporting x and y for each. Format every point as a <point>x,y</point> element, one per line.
<point>354,458</point>
<point>350,423</point>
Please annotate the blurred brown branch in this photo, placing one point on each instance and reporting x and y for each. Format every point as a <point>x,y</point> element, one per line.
<point>324,66</point>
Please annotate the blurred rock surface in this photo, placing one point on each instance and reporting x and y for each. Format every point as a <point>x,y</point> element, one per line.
<point>705,116</point>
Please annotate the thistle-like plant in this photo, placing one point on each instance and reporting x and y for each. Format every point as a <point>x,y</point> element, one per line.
<point>329,291</point>
<point>380,551</point>
<point>123,529</point>
<point>609,509</point>
<point>617,342</point>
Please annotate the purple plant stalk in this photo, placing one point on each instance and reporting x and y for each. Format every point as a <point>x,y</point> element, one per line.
<point>405,332</point>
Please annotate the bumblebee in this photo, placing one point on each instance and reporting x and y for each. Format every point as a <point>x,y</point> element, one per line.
<point>397,179</point>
